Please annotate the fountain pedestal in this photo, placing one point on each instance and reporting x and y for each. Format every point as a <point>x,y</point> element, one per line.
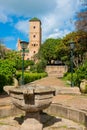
<point>32,122</point>
<point>32,99</point>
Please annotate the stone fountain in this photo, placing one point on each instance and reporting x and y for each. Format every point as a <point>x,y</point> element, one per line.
<point>32,99</point>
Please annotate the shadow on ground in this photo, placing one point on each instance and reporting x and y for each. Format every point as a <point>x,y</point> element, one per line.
<point>19,119</point>
<point>46,120</point>
<point>49,120</point>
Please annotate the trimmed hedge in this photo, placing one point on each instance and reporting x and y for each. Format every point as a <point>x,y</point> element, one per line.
<point>30,77</point>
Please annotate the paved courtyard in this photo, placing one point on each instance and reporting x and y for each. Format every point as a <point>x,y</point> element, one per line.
<point>65,96</point>
<point>49,123</point>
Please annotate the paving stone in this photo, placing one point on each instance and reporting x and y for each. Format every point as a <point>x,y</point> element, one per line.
<point>49,123</point>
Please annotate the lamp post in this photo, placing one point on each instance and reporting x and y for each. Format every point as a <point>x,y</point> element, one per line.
<point>23,46</point>
<point>71,60</point>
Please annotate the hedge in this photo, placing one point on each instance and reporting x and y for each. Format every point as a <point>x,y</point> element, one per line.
<point>30,77</point>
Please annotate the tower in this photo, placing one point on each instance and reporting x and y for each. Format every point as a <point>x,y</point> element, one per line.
<point>35,37</point>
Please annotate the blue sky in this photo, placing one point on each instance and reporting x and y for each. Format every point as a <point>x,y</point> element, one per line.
<point>57,17</point>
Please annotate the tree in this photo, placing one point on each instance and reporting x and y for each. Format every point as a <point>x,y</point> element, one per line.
<point>16,57</point>
<point>81,23</point>
<point>61,51</point>
<point>80,49</point>
<point>48,50</point>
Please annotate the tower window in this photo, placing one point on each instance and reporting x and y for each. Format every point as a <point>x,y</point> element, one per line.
<point>34,27</point>
<point>34,44</point>
<point>34,35</point>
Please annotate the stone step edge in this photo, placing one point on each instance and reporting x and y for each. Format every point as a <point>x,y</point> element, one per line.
<point>9,110</point>
<point>76,115</point>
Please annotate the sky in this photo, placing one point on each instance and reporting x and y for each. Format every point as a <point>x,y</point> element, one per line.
<point>57,18</point>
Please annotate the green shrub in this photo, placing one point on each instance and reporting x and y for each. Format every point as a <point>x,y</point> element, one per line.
<point>79,74</point>
<point>30,77</point>
<point>67,77</point>
<point>33,76</point>
<point>26,64</point>
<point>39,67</point>
<point>7,69</point>
<point>3,81</point>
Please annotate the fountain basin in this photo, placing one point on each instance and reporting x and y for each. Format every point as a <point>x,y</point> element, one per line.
<point>32,98</point>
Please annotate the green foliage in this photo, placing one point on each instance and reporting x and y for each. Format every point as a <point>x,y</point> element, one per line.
<point>67,77</point>
<point>33,76</point>
<point>79,75</point>
<point>59,49</point>
<point>30,77</point>
<point>51,50</point>
<point>26,64</point>
<point>16,57</point>
<point>7,69</point>
<point>80,39</point>
<point>2,50</point>
<point>34,19</point>
<point>13,55</point>
<point>48,50</point>
<point>39,67</point>
<point>3,82</point>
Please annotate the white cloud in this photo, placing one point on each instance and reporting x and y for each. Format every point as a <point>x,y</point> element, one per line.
<point>56,14</point>
<point>23,26</point>
<point>61,18</point>
<point>58,33</point>
<point>3,18</point>
<point>27,7</point>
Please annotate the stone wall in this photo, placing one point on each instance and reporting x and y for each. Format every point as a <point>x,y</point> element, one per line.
<point>56,70</point>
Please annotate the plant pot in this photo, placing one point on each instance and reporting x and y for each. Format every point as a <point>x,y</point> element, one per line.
<point>83,86</point>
